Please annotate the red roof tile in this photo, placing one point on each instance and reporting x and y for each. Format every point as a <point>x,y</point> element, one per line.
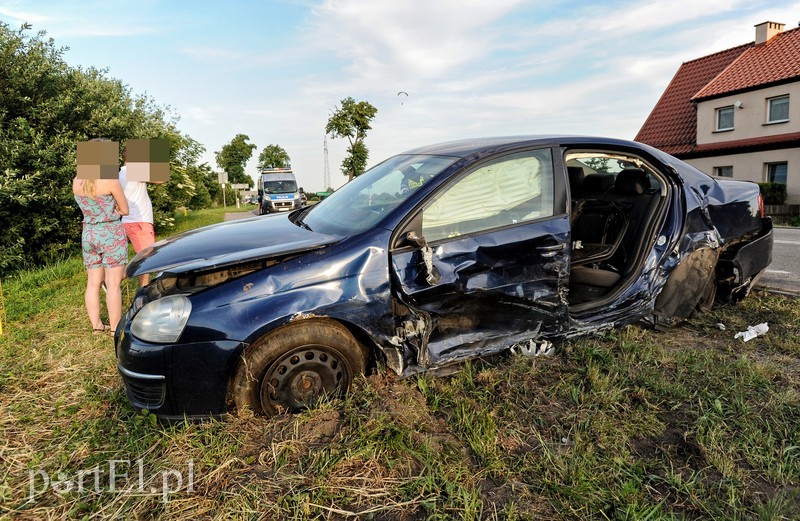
<point>771,62</point>
<point>672,125</point>
<point>770,142</point>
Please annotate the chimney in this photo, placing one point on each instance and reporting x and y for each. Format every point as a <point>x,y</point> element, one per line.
<point>765,31</point>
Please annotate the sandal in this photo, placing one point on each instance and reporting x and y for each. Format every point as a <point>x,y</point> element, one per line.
<point>101,330</point>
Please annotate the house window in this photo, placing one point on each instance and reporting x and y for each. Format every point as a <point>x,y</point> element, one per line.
<point>778,109</point>
<point>723,171</point>
<point>725,118</point>
<point>776,172</point>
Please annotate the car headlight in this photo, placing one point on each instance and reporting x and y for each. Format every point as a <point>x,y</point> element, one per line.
<point>162,320</point>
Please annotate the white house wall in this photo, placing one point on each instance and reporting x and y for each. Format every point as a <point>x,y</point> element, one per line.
<point>751,167</point>
<point>749,121</point>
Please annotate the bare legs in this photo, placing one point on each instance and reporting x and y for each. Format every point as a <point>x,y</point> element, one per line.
<point>92,296</point>
<point>113,278</point>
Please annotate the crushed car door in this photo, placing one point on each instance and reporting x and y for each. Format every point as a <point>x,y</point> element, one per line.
<point>484,262</point>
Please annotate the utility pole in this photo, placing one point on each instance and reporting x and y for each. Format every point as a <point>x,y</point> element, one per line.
<point>326,176</point>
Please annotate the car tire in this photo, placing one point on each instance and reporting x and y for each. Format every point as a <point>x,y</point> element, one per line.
<point>297,365</point>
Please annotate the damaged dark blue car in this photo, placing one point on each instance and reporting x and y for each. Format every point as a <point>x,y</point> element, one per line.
<point>437,255</point>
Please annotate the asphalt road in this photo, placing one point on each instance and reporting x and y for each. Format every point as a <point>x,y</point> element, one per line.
<point>784,272</point>
<point>233,215</point>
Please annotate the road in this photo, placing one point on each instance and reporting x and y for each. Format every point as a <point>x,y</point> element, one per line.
<point>784,272</point>
<point>232,216</point>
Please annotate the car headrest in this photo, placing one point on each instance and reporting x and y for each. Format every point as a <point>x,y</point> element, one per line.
<point>632,181</point>
<point>576,176</point>
<point>598,182</point>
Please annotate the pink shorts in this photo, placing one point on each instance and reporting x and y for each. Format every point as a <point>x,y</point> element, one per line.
<point>141,235</point>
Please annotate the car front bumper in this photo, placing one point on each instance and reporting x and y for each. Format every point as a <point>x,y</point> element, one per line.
<point>281,205</point>
<point>176,381</point>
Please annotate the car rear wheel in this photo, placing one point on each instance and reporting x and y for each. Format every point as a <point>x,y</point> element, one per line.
<point>297,365</point>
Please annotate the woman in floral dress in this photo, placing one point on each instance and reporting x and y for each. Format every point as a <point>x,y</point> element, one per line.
<point>104,244</point>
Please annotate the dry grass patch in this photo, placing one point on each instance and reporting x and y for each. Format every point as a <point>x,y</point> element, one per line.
<point>638,424</point>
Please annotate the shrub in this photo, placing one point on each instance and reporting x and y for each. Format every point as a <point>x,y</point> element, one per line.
<point>46,108</point>
<point>773,193</point>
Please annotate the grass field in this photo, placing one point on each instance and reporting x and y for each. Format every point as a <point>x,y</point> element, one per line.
<point>638,424</point>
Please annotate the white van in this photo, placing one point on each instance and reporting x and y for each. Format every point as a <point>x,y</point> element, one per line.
<point>279,190</point>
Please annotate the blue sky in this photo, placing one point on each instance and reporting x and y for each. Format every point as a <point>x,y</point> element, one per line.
<point>275,69</point>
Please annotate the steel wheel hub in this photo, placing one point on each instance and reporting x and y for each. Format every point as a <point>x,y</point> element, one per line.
<point>303,375</point>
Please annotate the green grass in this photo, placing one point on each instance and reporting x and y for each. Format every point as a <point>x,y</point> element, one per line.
<point>637,424</point>
<point>191,219</point>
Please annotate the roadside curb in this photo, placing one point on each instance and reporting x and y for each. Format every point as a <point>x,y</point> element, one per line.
<point>778,291</point>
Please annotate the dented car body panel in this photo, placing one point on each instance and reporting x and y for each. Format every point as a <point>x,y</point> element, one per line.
<point>493,289</point>
<point>492,243</point>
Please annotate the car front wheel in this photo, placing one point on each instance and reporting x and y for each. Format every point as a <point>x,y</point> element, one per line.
<point>297,365</point>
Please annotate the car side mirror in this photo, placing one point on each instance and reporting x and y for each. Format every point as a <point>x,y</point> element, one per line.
<point>301,190</point>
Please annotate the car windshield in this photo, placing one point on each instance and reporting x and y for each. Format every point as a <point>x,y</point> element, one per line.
<point>362,202</point>
<point>280,187</point>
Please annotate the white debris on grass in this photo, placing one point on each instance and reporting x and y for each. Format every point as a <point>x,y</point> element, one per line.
<point>532,348</point>
<point>752,332</point>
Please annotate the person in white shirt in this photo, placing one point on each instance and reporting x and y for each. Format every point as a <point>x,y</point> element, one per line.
<point>138,223</point>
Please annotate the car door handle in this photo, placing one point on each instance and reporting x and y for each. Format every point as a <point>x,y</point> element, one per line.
<point>551,251</point>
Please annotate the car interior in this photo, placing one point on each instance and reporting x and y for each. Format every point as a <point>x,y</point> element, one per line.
<point>615,202</point>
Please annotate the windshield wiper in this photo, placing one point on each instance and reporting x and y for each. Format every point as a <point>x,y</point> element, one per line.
<point>299,220</point>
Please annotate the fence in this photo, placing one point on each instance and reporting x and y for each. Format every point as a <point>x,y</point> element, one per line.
<point>782,213</point>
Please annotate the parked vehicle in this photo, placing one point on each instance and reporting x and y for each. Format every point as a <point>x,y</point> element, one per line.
<point>280,191</point>
<point>507,241</point>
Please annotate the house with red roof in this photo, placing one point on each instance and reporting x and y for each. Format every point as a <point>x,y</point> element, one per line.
<point>736,113</point>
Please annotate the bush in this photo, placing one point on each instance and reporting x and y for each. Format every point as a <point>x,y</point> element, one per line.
<point>46,108</point>
<point>773,193</point>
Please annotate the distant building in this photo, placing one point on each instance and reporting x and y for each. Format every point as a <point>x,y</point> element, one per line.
<point>736,113</point>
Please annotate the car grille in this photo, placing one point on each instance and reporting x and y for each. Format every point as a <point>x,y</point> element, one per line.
<point>283,204</point>
<point>144,391</point>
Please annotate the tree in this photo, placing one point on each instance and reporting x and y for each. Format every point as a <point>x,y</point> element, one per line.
<point>598,164</point>
<point>46,108</point>
<point>233,157</point>
<point>352,120</point>
<point>204,179</point>
<point>273,156</point>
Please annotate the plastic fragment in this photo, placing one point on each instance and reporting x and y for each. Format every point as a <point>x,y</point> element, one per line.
<point>533,349</point>
<point>752,332</point>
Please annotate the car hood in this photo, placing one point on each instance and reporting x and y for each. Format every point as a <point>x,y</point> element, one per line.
<point>226,244</point>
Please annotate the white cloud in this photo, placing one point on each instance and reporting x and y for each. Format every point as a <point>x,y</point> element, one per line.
<point>23,16</point>
<point>407,41</point>
<point>649,16</point>
<point>90,18</point>
<point>202,115</point>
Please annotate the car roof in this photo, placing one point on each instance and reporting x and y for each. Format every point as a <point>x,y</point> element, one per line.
<point>490,145</point>
<point>465,147</point>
